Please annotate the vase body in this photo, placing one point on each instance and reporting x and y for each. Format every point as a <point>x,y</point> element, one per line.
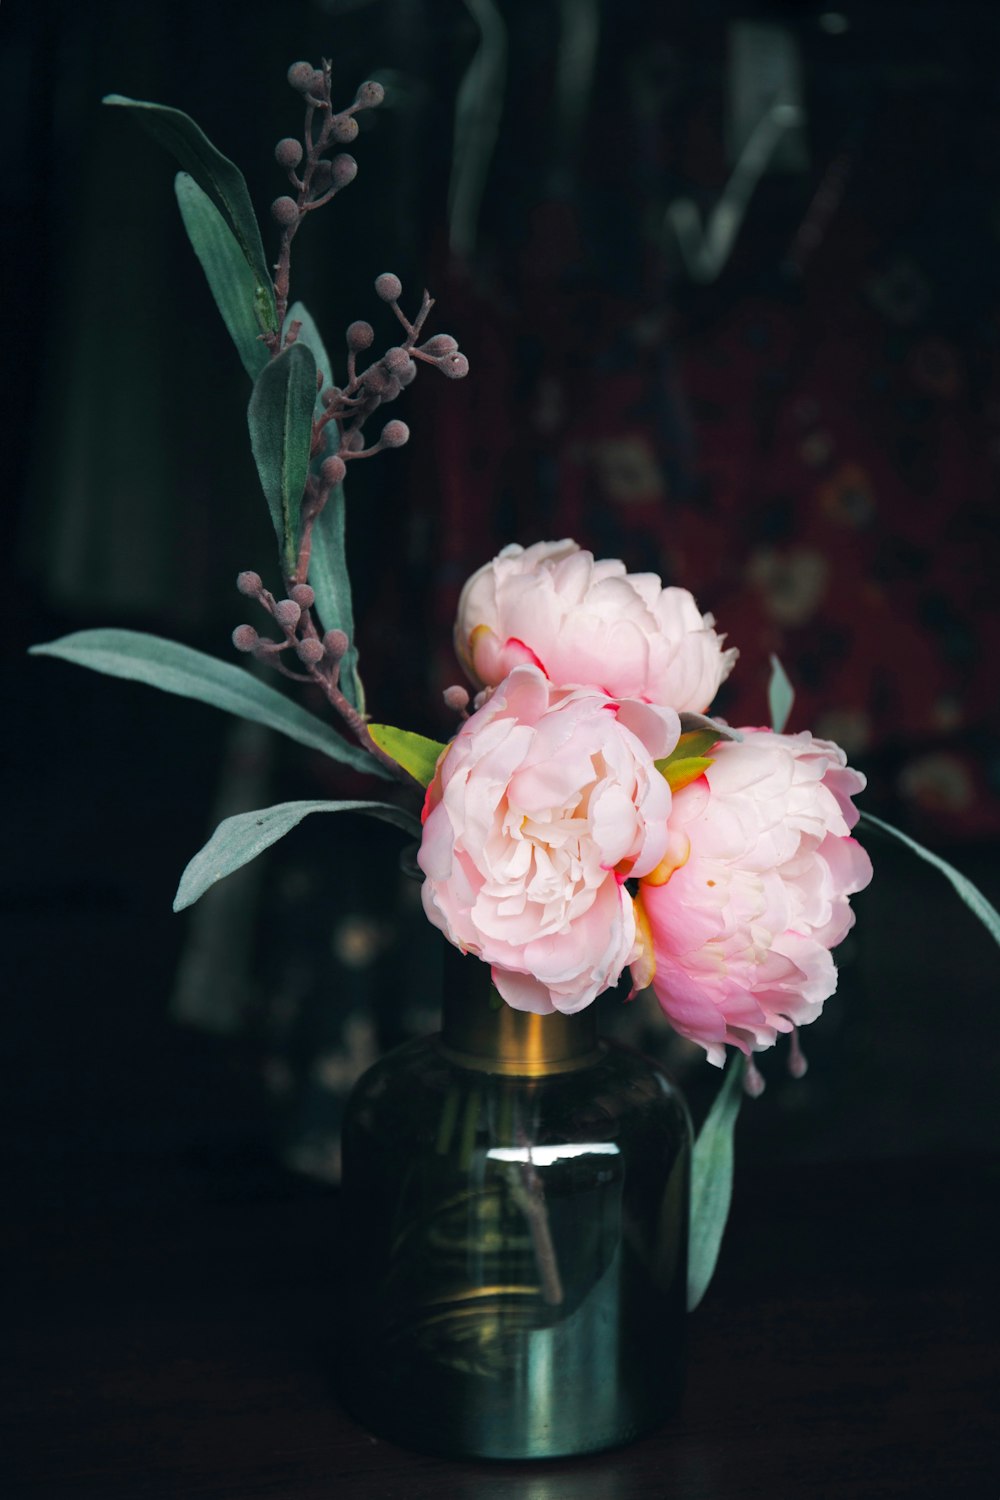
<point>517,1201</point>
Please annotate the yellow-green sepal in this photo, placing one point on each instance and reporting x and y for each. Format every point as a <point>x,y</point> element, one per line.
<point>687,761</point>
<point>414,752</point>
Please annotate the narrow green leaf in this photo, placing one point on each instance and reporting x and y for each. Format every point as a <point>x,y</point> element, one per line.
<point>240,839</point>
<point>780,696</point>
<point>414,752</point>
<point>327,559</point>
<point>310,335</point>
<point>970,894</point>
<point>191,674</point>
<point>280,421</point>
<point>217,176</point>
<point>712,1180</point>
<point>230,279</point>
<point>329,577</point>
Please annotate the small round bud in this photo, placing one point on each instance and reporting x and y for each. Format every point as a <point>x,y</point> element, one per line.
<point>407,374</point>
<point>322,176</point>
<point>457,698</point>
<point>303,594</point>
<point>300,76</point>
<point>310,651</point>
<point>370,95</point>
<point>333,469</point>
<point>344,129</point>
<point>332,395</point>
<point>335,643</point>
<point>287,613</point>
<point>377,379</point>
<point>441,343</point>
<point>753,1080</point>
<point>285,210</point>
<point>288,153</point>
<point>318,85</point>
<point>388,287</point>
<point>455,366</point>
<point>396,359</point>
<point>245,638</point>
<point>354,441</point>
<point>344,169</point>
<point>250,584</point>
<point>395,434</point>
<point>360,335</point>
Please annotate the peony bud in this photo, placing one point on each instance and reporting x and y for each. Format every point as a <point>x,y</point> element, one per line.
<point>310,651</point>
<point>395,434</point>
<point>441,343</point>
<point>408,373</point>
<point>303,594</point>
<point>245,638</point>
<point>287,613</point>
<point>335,643</point>
<point>344,169</point>
<point>455,366</point>
<point>333,469</point>
<point>456,697</point>
<point>250,584</point>
<point>388,287</point>
<point>360,335</point>
<point>344,128</point>
<point>288,152</point>
<point>370,95</point>
<point>300,76</point>
<point>285,210</point>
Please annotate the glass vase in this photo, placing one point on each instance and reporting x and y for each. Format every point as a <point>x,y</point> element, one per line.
<point>517,1204</point>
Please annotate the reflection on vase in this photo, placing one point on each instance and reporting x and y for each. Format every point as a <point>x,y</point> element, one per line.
<point>518,1268</point>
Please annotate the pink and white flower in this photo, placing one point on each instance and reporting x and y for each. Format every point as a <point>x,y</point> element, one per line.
<point>739,920</point>
<point>541,808</point>
<point>588,623</point>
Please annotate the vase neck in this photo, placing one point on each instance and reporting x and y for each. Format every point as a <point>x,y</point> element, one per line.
<point>479,1030</point>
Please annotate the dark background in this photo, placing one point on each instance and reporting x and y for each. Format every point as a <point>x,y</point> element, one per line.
<point>810,443</point>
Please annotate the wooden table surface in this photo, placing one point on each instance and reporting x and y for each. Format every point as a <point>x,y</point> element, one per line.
<point>164,1341</point>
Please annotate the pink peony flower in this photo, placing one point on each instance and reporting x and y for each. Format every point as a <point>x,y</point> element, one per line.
<point>542,806</point>
<point>739,920</point>
<point>588,622</point>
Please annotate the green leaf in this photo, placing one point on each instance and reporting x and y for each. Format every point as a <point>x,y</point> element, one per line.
<point>191,674</point>
<point>240,839</point>
<point>216,175</point>
<point>712,1180</point>
<point>280,421</point>
<point>780,696</point>
<point>230,279</point>
<point>327,558</point>
<point>970,894</point>
<point>328,576</point>
<point>414,752</point>
<point>310,335</point>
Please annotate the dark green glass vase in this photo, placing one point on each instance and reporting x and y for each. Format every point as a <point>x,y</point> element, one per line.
<point>517,1200</point>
